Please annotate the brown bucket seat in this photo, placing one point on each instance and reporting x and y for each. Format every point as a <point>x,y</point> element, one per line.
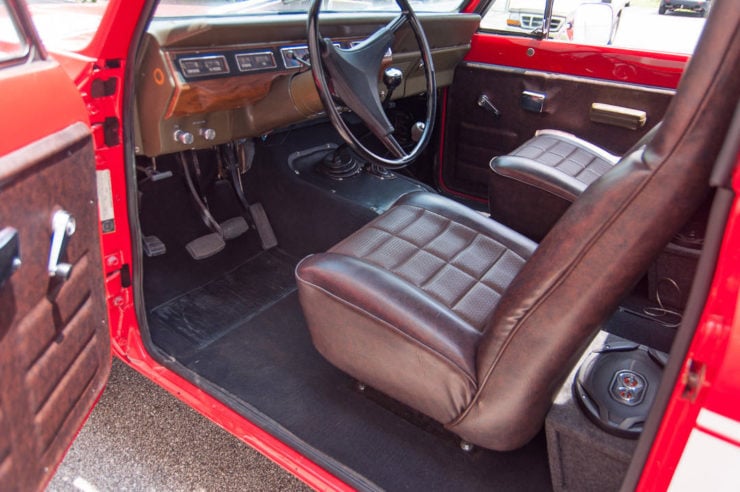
<point>473,324</point>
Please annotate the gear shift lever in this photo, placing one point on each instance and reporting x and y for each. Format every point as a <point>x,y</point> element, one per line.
<point>392,78</point>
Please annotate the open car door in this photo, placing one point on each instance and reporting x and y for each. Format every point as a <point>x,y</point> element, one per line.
<point>54,339</point>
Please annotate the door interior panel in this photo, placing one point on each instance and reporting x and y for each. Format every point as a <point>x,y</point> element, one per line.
<point>54,346</point>
<point>474,135</point>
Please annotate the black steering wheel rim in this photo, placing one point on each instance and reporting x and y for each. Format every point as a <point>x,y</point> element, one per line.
<point>321,49</point>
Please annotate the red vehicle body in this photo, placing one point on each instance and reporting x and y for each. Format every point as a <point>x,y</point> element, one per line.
<point>708,379</point>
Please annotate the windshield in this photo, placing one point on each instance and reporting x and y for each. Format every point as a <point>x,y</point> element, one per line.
<point>190,8</point>
<point>69,25</point>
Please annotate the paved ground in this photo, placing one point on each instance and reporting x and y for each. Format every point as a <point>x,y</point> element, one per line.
<point>140,438</point>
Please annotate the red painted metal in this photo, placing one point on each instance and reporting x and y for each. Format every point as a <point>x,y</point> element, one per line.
<point>138,357</point>
<point>470,6</point>
<point>600,62</point>
<point>715,351</point>
<point>112,43</point>
<point>51,89</point>
<point>108,53</point>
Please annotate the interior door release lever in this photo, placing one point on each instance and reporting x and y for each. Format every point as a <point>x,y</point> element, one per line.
<point>63,225</point>
<point>485,103</point>
<point>10,254</point>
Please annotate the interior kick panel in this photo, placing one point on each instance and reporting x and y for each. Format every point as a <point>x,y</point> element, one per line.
<point>475,134</point>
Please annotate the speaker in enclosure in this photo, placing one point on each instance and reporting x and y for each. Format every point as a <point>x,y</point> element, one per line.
<point>616,386</point>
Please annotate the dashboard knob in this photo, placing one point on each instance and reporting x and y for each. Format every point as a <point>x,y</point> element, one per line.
<point>208,133</point>
<point>183,137</point>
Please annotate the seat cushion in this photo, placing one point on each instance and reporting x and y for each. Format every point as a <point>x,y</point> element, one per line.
<point>401,303</point>
<point>557,162</point>
<point>531,188</point>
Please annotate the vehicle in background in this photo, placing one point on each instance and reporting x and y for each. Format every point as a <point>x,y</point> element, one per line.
<point>698,6</point>
<point>526,16</point>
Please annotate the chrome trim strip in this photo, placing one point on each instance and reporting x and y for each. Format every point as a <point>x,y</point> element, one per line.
<point>575,78</point>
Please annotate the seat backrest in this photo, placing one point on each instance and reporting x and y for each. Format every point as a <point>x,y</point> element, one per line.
<point>601,247</point>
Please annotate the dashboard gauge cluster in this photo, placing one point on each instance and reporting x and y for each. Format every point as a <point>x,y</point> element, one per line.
<point>205,65</point>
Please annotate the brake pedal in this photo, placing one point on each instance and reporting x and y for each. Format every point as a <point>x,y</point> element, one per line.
<point>153,246</point>
<point>234,227</point>
<point>262,223</point>
<point>205,246</point>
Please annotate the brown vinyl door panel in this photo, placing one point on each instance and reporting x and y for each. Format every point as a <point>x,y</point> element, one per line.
<point>473,135</point>
<point>54,342</point>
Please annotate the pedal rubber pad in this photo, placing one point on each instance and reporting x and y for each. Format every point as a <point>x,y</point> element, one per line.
<point>234,227</point>
<point>264,229</point>
<point>153,246</point>
<point>205,246</point>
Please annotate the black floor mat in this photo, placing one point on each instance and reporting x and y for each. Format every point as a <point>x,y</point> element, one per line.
<point>269,362</point>
<point>191,321</point>
<point>235,320</point>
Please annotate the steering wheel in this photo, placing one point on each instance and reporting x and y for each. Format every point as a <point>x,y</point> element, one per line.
<point>351,76</point>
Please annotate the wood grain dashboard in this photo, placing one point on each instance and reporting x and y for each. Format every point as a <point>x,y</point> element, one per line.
<point>201,84</point>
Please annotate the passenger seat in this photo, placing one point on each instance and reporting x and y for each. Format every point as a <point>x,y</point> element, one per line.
<point>531,188</point>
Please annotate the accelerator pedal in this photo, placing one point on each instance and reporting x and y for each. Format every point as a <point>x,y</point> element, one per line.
<point>234,227</point>
<point>262,223</point>
<point>205,246</point>
<point>153,246</point>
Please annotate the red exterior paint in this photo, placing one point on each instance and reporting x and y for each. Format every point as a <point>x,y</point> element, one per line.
<point>716,348</point>
<point>470,6</point>
<point>137,357</point>
<point>51,89</point>
<point>716,343</point>
<point>112,43</point>
<point>599,62</point>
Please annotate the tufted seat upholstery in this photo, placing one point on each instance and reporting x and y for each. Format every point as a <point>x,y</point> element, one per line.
<point>567,163</point>
<point>465,320</point>
<point>424,277</point>
<point>530,188</point>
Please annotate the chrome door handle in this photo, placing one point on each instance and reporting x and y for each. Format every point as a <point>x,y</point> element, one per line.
<point>63,225</point>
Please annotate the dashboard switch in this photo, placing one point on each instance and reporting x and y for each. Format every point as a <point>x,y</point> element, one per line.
<point>183,137</point>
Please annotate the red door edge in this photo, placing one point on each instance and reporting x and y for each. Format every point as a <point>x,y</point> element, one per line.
<point>138,357</point>
<point>707,389</point>
<point>109,54</point>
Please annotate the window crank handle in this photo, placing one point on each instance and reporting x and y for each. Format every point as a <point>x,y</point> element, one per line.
<point>485,103</point>
<point>63,225</point>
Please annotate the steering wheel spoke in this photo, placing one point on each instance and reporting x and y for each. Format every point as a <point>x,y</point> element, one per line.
<point>398,22</point>
<point>394,147</point>
<point>352,75</point>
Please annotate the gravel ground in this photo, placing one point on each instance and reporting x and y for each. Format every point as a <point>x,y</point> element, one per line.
<point>140,438</point>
